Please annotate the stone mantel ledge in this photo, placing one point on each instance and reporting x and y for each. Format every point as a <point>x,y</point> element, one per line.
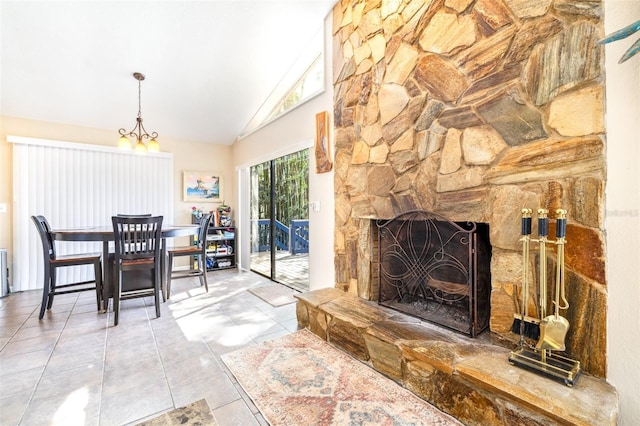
<point>471,379</point>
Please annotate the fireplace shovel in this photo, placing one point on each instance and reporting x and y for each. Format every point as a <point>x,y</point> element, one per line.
<point>553,329</point>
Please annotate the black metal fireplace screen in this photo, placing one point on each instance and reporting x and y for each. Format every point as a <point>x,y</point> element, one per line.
<point>437,270</point>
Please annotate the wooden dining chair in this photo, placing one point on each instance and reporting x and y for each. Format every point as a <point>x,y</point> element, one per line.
<point>53,261</point>
<point>138,242</point>
<point>197,251</point>
<point>112,255</point>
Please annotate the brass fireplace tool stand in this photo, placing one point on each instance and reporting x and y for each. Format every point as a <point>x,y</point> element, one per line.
<point>548,331</point>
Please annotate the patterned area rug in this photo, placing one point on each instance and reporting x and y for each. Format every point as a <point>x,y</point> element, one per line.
<point>274,294</point>
<point>195,414</point>
<point>299,379</point>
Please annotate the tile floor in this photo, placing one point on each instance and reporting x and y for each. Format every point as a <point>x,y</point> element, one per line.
<point>75,368</point>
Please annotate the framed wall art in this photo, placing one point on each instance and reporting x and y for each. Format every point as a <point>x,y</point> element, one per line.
<point>323,156</point>
<point>204,187</point>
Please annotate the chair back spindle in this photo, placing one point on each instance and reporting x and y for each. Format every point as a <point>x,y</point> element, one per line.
<point>43,227</point>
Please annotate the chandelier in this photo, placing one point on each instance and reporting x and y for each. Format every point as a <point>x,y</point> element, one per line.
<point>124,142</point>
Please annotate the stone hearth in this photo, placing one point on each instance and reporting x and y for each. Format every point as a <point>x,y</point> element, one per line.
<point>471,379</point>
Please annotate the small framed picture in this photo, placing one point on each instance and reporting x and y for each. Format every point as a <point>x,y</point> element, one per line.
<point>204,187</point>
<point>323,154</point>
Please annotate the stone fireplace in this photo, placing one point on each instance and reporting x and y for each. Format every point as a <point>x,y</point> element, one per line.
<point>475,109</point>
<point>472,110</point>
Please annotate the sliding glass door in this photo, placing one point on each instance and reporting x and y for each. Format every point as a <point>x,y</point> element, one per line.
<point>279,215</point>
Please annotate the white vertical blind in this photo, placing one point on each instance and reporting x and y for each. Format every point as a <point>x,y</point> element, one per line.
<point>79,185</point>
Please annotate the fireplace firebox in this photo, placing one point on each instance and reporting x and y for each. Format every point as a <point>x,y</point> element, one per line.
<point>436,270</point>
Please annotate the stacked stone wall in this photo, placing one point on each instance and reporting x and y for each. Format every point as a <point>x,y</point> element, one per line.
<point>474,109</point>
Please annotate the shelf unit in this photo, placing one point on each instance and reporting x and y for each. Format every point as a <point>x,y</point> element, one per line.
<point>221,247</point>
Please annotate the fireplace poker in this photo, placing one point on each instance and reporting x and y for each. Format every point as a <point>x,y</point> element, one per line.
<point>543,232</point>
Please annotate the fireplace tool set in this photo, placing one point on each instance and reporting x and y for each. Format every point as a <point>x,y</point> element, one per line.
<point>548,331</point>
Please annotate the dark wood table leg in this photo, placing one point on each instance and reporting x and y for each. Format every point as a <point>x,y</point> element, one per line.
<point>106,276</point>
<point>163,270</point>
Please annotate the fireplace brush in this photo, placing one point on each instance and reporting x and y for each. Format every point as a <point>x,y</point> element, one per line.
<point>523,324</point>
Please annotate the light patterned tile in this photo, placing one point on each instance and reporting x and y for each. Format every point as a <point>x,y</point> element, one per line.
<point>100,374</point>
<point>245,397</point>
<point>191,369</point>
<point>31,332</point>
<point>235,414</point>
<point>33,344</point>
<point>130,354</point>
<point>292,325</point>
<point>19,382</point>
<point>271,336</point>
<point>18,363</point>
<point>86,378</point>
<point>13,407</point>
<point>134,404</point>
<point>66,407</point>
<point>73,339</point>
<point>218,391</point>
<point>64,361</point>
<point>172,354</point>
<point>145,374</point>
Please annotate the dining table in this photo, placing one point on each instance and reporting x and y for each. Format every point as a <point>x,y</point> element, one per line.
<point>105,235</point>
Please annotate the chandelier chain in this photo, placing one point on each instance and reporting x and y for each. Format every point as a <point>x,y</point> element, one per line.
<point>139,98</point>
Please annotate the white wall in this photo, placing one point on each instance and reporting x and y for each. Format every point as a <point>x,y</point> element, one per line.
<point>288,134</point>
<point>623,211</point>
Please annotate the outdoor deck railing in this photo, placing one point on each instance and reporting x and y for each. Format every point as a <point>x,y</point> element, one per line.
<point>293,238</point>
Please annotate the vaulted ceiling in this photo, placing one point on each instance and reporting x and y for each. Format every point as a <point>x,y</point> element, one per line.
<point>209,65</point>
